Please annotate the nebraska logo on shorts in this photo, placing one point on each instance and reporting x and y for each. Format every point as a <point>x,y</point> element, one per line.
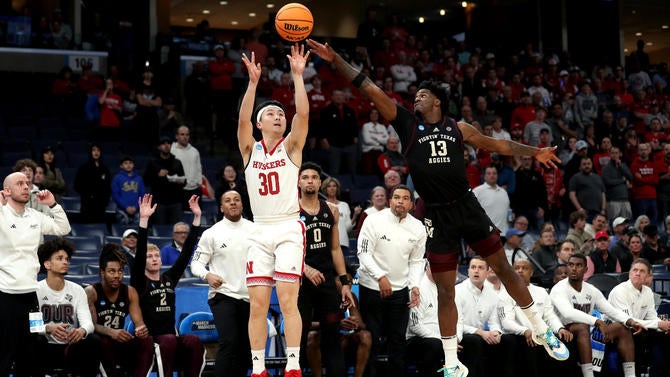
<point>250,267</point>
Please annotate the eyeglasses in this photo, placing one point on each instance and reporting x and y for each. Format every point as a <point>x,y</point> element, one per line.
<point>520,223</point>
<point>184,232</point>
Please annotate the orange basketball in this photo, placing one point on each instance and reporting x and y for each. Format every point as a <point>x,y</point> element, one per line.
<point>294,22</point>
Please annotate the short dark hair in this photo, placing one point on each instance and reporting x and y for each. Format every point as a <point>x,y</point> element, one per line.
<point>644,262</point>
<point>265,104</point>
<point>25,163</point>
<point>51,246</point>
<point>579,256</point>
<point>478,257</point>
<point>438,91</point>
<point>401,187</point>
<point>111,252</point>
<point>309,165</point>
<point>575,216</point>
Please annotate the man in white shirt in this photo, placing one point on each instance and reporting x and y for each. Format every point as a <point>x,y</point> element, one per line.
<point>513,240</point>
<point>575,299</point>
<point>223,248</point>
<point>520,354</point>
<point>189,157</point>
<point>636,299</point>
<point>476,303</point>
<point>69,328</point>
<point>424,347</point>
<point>391,246</point>
<point>21,230</point>
<point>494,199</point>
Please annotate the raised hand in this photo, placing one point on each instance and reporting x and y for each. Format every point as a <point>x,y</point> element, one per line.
<point>194,206</point>
<point>298,58</point>
<point>253,68</point>
<point>45,197</point>
<point>324,51</point>
<point>146,209</point>
<point>547,157</point>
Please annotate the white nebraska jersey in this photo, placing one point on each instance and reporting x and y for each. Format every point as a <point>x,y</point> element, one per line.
<point>272,182</point>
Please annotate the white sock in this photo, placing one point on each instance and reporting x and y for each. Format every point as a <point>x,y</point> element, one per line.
<point>258,361</point>
<point>587,370</point>
<point>628,369</point>
<point>450,347</point>
<point>292,358</point>
<point>539,326</point>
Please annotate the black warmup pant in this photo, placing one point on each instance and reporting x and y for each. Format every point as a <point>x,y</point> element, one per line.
<point>427,354</point>
<point>388,318</point>
<point>17,343</point>
<point>231,317</point>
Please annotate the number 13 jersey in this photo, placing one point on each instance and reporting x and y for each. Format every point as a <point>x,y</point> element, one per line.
<point>272,182</point>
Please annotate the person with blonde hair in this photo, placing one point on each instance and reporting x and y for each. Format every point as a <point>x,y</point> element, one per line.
<point>331,188</point>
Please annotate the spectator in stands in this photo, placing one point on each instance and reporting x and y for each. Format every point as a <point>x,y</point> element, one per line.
<point>164,177</point>
<point>110,302</point>
<point>339,134</point>
<point>331,189</point>
<point>545,252</point>
<point>197,97</point>
<point>28,167</point>
<point>587,191</point>
<point>38,179</point>
<point>93,183</point>
<point>564,251</point>
<point>586,106</point>
<point>493,199</point>
<point>601,260</point>
<point>476,303</point>
<point>553,183</point>
<point>513,238</point>
<point>129,246</point>
<point>393,159</point>
<point>621,249</point>
<point>560,127</point>
<point>221,70</point>
<point>230,179</point>
<point>224,252</point>
<point>53,177</point>
<point>374,136</point>
<point>663,188</point>
<point>170,252</point>
<point>390,272</point>
<point>127,188</point>
<point>664,239</point>
<point>524,112</point>
<point>391,180</point>
<point>506,176</point>
<point>528,240</point>
<point>169,119</point>
<point>598,223</point>
<point>189,157</point>
<point>637,299</point>
<point>531,133</point>
<point>402,72</point>
<point>472,170</point>
<point>481,113</point>
<point>574,300</point>
<point>530,196</point>
<point>110,113</point>
<point>645,178</point>
<point>148,102</point>
<point>520,356</point>
<point>577,234</point>
<point>639,224</point>
<point>284,92</point>
<point>424,348</point>
<point>618,180</point>
<point>498,131</point>
<point>652,251</point>
<point>157,294</point>
<point>70,341</point>
<point>19,266</point>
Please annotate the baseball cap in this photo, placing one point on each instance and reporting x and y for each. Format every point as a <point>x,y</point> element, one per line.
<point>514,232</point>
<point>490,55</point>
<point>602,234</point>
<point>618,221</point>
<point>165,139</point>
<point>563,73</point>
<point>581,144</point>
<point>650,230</point>
<point>129,232</point>
<point>127,158</point>
<point>217,47</point>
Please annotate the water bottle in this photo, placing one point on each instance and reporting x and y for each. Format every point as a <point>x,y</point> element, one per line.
<point>36,322</point>
<point>510,216</point>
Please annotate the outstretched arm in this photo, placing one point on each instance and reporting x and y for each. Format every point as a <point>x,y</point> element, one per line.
<point>244,126</point>
<point>299,125</point>
<point>383,103</point>
<point>472,136</point>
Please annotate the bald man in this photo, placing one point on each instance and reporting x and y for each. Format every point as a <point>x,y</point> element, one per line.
<point>21,229</point>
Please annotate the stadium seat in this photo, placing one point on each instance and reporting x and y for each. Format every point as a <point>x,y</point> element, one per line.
<point>210,209</point>
<point>200,324</point>
<point>83,230</point>
<point>604,282</point>
<point>162,230</point>
<point>71,203</point>
<point>86,242</point>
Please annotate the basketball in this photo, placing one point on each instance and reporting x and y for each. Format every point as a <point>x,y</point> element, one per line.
<point>294,22</point>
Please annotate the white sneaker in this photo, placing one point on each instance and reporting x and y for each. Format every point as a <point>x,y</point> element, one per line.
<point>458,370</point>
<point>554,347</point>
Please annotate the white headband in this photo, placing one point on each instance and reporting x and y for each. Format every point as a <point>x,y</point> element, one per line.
<point>261,111</point>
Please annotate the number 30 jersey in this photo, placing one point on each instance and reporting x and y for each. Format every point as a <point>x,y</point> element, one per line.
<point>435,157</point>
<point>272,182</point>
